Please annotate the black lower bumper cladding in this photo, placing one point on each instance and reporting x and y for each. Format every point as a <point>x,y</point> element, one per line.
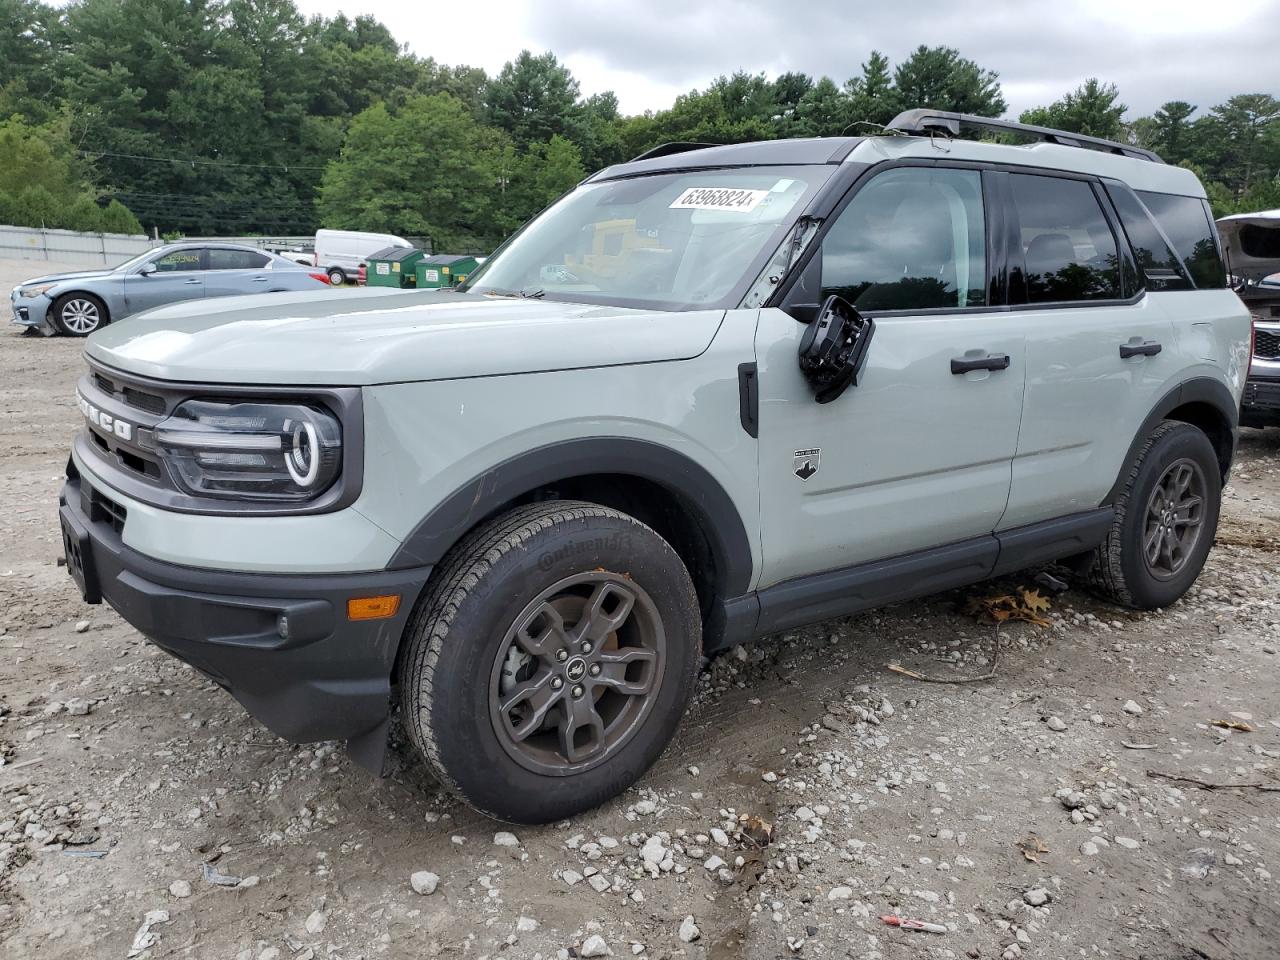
<point>1261,404</point>
<point>281,644</point>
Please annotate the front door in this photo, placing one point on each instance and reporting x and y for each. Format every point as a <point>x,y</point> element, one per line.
<point>178,275</point>
<point>914,455</point>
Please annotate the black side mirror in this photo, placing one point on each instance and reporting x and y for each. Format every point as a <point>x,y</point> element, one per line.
<point>833,349</point>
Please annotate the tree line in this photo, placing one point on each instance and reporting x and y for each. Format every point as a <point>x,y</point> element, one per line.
<point>243,116</point>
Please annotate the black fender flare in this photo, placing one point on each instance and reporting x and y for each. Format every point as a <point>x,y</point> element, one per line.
<point>690,482</point>
<point>1199,390</point>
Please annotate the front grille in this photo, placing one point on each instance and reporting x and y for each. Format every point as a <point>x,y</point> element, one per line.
<point>103,508</point>
<point>150,402</point>
<point>1266,345</point>
<point>144,401</point>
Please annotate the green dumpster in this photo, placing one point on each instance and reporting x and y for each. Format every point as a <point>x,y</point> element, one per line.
<point>392,267</point>
<point>444,270</point>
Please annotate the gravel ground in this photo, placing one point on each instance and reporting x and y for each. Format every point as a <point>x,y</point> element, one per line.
<point>1018,814</point>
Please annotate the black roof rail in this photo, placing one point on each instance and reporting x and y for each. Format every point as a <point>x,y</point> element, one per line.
<point>923,121</point>
<point>666,149</point>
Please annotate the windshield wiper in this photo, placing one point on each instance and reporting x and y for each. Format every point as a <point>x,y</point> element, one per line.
<point>513,294</point>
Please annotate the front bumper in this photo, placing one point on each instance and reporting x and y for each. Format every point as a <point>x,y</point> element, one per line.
<point>319,676</point>
<point>29,311</point>
<point>1260,406</point>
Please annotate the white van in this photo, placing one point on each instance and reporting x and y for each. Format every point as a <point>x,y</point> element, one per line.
<point>341,253</point>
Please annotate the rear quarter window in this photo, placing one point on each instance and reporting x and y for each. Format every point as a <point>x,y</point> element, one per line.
<point>1162,267</point>
<point>1187,223</point>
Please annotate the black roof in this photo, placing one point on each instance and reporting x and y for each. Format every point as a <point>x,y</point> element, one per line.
<point>812,150</point>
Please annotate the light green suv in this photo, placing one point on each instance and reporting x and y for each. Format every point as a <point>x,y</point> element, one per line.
<point>711,394</point>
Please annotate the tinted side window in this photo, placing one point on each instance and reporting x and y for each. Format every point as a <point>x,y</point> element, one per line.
<point>1068,246</point>
<point>1163,268</point>
<point>220,259</point>
<point>178,260</point>
<point>912,238</point>
<point>1188,225</point>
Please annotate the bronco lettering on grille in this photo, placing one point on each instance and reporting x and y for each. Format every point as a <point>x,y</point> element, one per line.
<point>104,421</point>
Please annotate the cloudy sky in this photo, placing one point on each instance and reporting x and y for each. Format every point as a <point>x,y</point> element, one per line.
<point>647,52</point>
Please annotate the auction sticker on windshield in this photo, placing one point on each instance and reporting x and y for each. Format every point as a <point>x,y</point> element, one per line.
<point>718,198</point>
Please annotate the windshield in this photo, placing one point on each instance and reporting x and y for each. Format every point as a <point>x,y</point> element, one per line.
<point>673,241</point>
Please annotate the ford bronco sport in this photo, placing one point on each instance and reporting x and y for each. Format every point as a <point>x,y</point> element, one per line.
<point>714,393</point>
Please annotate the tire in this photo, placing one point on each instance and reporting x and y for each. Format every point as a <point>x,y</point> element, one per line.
<point>554,561</point>
<point>1122,569</point>
<point>337,277</point>
<point>78,314</point>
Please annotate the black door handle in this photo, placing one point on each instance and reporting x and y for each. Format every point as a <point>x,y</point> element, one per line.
<point>1148,348</point>
<point>992,361</point>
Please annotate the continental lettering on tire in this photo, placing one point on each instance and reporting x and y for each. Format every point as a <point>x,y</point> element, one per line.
<point>595,545</point>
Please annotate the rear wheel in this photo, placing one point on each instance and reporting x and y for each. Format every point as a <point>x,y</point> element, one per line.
<point>337,277</point>
<point>1166,519</point>
<point>78,314</point>
<point>550,662</point>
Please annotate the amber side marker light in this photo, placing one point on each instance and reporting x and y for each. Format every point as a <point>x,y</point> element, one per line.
<point>373,608</point>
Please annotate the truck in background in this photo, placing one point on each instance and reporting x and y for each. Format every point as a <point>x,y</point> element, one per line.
<point>342,253</point>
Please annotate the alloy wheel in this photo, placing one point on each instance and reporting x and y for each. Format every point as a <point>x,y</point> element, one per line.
<point>80,316</point>
<point>1174,519</point>
<point>577,673</point>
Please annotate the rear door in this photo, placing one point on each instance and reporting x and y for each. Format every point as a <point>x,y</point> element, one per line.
<point>231,272</point>
<point>1100,352</point>
<point>917,454</point>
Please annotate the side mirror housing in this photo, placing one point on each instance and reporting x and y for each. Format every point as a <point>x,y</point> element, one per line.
<point>147,269</point>
<point>833,349</point>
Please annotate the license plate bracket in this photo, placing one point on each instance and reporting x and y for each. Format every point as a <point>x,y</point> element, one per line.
<point>79,557</point>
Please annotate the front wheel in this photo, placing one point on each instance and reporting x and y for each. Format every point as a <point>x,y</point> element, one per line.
<point>78,314</point>
<point>550,662</point>
<point>1166,519</point>
<point>337,277</point>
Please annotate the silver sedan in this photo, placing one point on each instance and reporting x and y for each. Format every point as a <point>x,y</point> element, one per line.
<point>79,303</point>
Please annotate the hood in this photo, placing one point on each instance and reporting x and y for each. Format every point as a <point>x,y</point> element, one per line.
<point>1251,242</point>
<point>59,277</point>
<point>342,338</point>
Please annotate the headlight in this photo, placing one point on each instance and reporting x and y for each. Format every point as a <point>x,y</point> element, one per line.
<point>251,451</point>
<point>35,291</point>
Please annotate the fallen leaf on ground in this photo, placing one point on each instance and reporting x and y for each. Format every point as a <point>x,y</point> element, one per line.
<point>755,829</point>
<point>1031,847</point>
<point>1025,605</point>
<point>1033,600</point>
<point>1232,725</point>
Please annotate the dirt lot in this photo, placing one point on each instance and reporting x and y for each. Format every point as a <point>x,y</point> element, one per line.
<point>1019,813</point>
